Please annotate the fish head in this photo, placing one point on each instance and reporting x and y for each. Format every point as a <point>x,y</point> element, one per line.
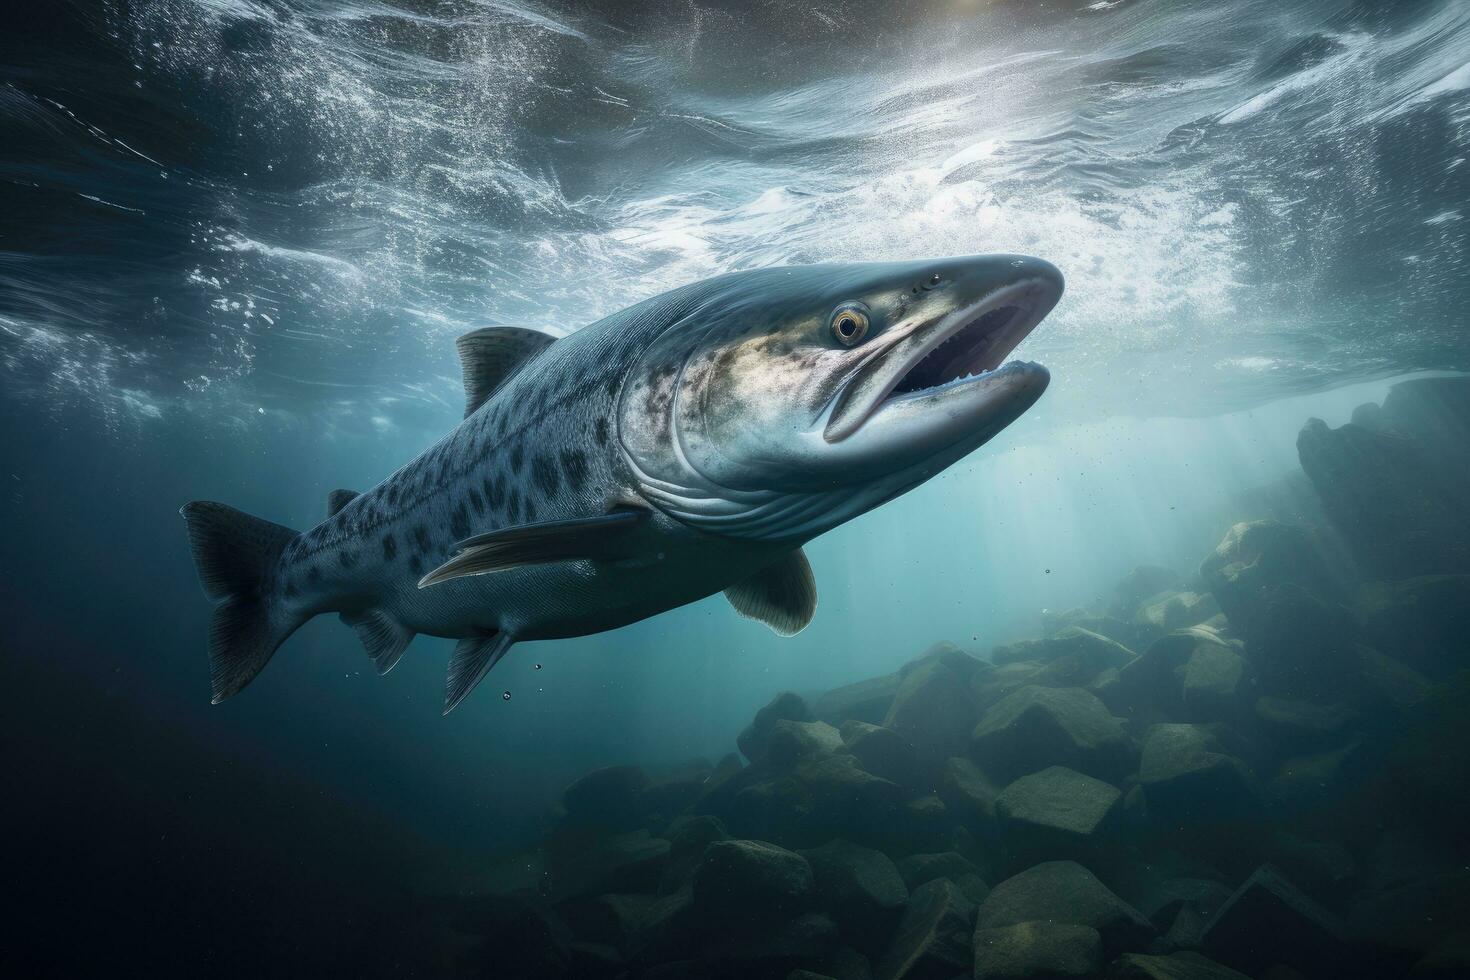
<point>786,401</point>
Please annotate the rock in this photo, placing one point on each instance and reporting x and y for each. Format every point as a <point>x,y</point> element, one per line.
<point>582,863</point>
<point>1057,812</point>
<point>1176,966</point>
<point>1324,868</point>
<point>785,706</point>
<point>1102,624</point>
<point>790,741</point>
<point>1399,505</point>
<point>1302,724</point>
<point>1416,916</point>
<point>1033,950</point>
<point>933,710</point>
<point>669,929</point>
<point>1169,611</point>
<point>1065,892</point>
<point>920,824</point>
<point>807,975</point>
<point>920,869</point>
<point>1257,557</point>
<point>607,919</point>
<point>1307,781</point>
<point>882,752</point>
<point>743,878</point>
<point>860,887</point>
<point>932,941</point>
<point>1390,685</point>
<point>817,798</point>
<point>1423,621</point>
<point>947,653</point>
<point>846,963</point>
<point>1449,960</point>
<point>989,686</point>
<point>1201,895</point>
<point>1213,683</point>
<point>1303,647</point>
<point>1149,689</point>
<point>1037,727</point>
<point>967,791</point>
<point>1138,585</point>
<point>1268,920</point>
<point>688,836</point>
<point>594,960</point>
<point>611,798</point>
<point>1075,657</point>
<point>1187,778</point>
<point>1429,762</point>
<point>770,946</point>
<point>521,939</point>
<point>866,700</point>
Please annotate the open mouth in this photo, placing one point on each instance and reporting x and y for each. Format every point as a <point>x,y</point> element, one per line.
<point>959,349</point>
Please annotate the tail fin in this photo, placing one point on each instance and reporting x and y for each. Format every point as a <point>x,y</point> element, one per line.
<point>235,555</point>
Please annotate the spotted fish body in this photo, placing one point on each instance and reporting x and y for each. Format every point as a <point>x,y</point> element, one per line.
<point>660,455</point>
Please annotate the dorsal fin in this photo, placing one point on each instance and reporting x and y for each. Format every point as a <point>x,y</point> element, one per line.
<point>491,355</point>
<point>338,499</point>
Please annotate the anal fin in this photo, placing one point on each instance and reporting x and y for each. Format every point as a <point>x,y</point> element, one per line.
<point>384,637</point>
<point>472,659</point>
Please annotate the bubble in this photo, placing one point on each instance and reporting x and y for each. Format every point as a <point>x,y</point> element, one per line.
<point>505,695</point>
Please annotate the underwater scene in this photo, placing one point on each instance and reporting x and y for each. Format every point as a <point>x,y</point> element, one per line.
<point>711,489</point>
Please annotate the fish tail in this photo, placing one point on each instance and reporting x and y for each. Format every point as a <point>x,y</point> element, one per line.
<point>237,556</point>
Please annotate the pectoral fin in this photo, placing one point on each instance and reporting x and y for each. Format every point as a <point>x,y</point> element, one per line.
<point>583,539</point>
<point>472,659</point>
<point>783,595</point>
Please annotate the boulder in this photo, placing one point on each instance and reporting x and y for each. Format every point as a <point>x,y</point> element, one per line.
<point>932,941</point>
<point>1186,777</point>
<point>1269,920</point>
<point>611,798</point>
<point>815,799</point>
<point>688,836</point>
<point>1075,657</point>
<point>607,920</point>
<point>1102,624</point>
<point>1399,505</point>
<point>1324,869</point>
<point>1257,557</point>
<point>740,879</point>
<point>860,887</point>
<point>1416,916</point>
<point>1175,966</point>
<point>933,710</point>
<point>967,791</point>
<point>1037,727</point>
<point>1324,779</point>
<point>882,752</point>
<point>1423,621</point>
<point>770,946</point>
<point>866,700</point>
<point>669,929</point>
<point>1037,951</point>
<point>1302,724</point>
<point>1057,812</point>
<point>1139,584</point>
<point>785,706</point>
<point>920,869</point>
<point>1201,896</point>
<point>1172,610</point>
<point>1303,647</point>
<point>989,686</point>
<point>582,863</point>
<point>791,741</point>
<point>951,656</point>
<point>1065,892</point>
<point>520,938</point>
<point>1214,683</point>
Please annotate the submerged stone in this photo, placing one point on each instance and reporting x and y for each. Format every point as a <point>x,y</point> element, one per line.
<point>1037,951</point>
<point>866,700</point>
<point>1065,892</point>
<point>786,706</point>
<point>1057,812</point>
<point>1186,776</point>
<point>1037,727</point>
<point>741,879</point>
<point>859,886</point>
<point>932,941</point>
<point>1175,966</point>
<point>1269,920</point>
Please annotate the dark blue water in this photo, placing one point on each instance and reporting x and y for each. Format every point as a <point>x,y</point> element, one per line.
<point>238,238</point>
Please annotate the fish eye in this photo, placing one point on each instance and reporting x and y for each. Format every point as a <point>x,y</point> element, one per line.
<point>933,281</point>
<point>850,323</point>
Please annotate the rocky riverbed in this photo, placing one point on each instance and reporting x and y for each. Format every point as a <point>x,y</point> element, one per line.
<point>1259,768</point>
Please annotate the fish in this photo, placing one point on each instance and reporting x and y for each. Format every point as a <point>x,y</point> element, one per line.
<point>687,445</point>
